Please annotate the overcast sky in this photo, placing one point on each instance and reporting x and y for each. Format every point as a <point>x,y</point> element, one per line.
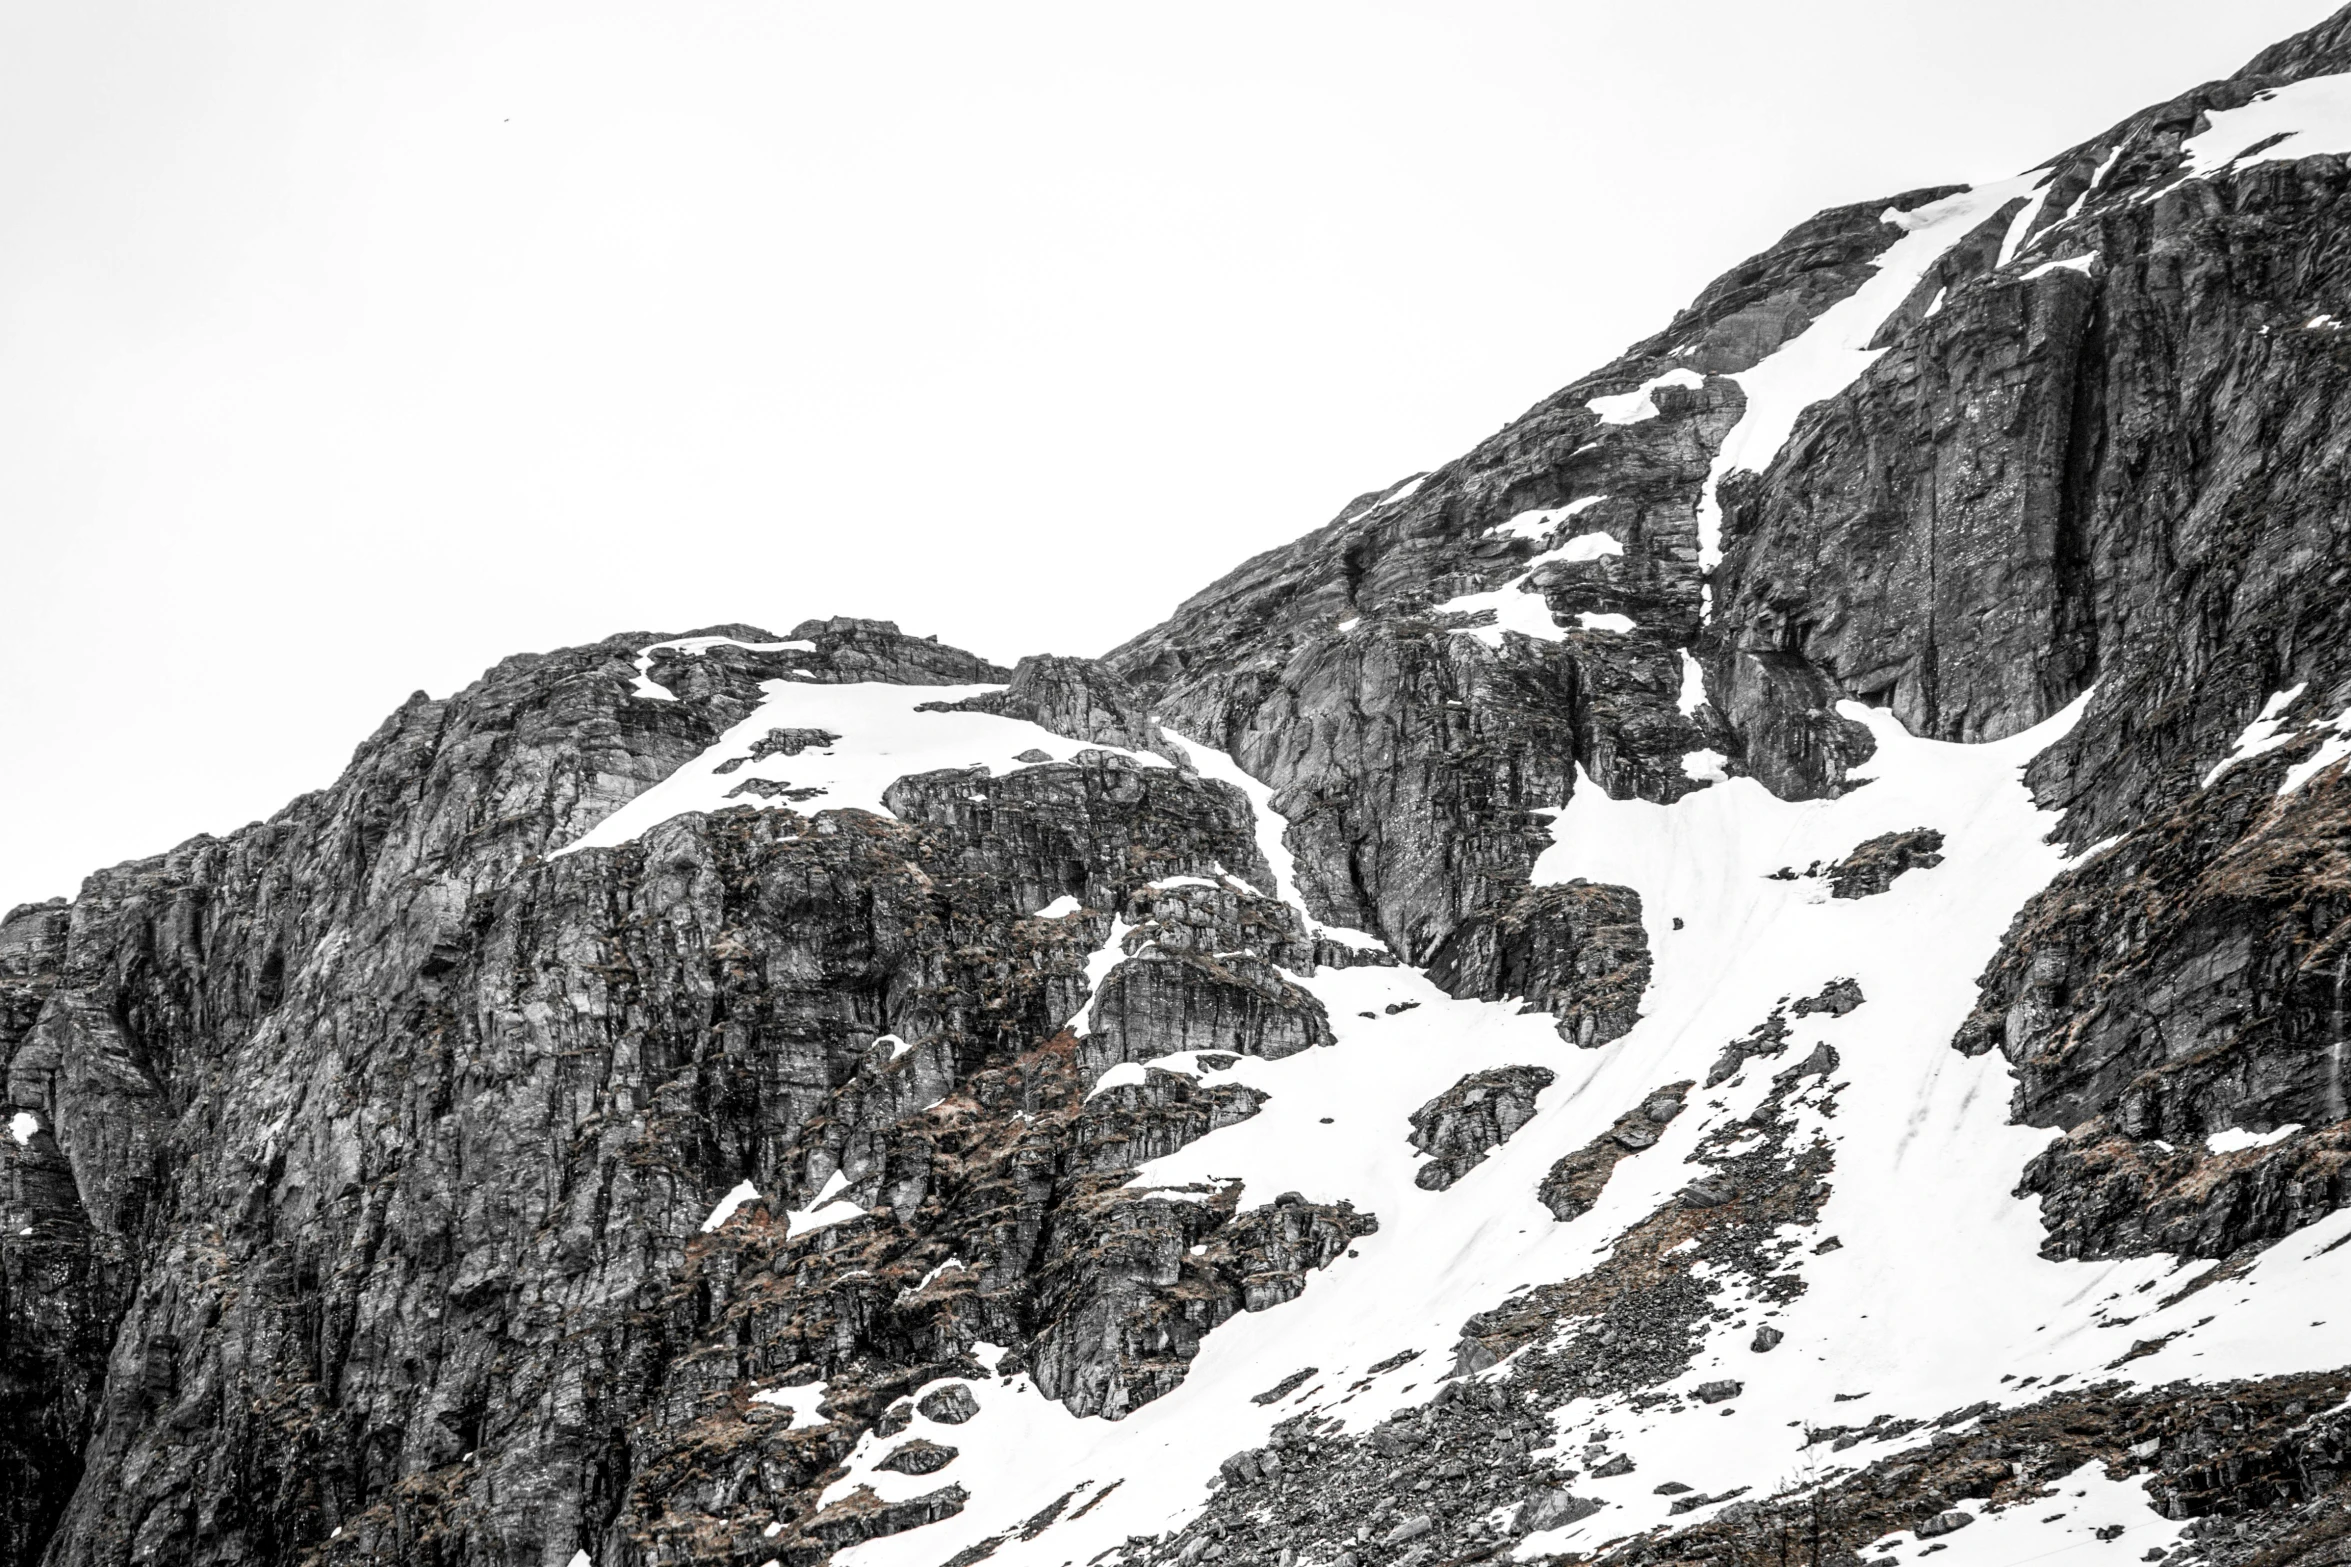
<point>350,347</point>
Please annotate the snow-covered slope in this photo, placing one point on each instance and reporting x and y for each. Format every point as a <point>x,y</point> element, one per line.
<point>1917,1288</point>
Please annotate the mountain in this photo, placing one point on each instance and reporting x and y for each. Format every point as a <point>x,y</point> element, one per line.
<point>1751,972</point>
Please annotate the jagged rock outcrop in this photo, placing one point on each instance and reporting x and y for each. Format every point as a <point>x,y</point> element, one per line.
<point>1871,868</point>
<point>1576,950</point>
<point>2183,983</point>
<point>1077,697</point>
<point>1476,1115</point>
<point>1160,1003</point>
<point>1134,1286</point>
<point>1575,1182</point>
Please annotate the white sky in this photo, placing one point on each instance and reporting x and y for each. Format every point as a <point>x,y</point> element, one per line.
<point>348,348</point>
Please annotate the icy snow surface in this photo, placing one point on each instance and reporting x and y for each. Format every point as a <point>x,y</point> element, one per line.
<point>883,738</point>
<point>1937,1290</point>
<point>1830,354</point>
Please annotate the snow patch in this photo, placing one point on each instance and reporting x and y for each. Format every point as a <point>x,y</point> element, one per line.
<point>800,1401</point>
<point>1536,524</point>
<point>1693,694</point>
<point>931,1277</point>
<point>1212,763</point>
<point>2330,751</point>
<point>2057,1530</point>
<point>1706,766</point>
<point>1516,606</point>
<point>1640,403</point>
<point>2266,733</point>
<point>884,736</point>
<point>1099,963</point>
<point>826,1210</point>
<point>2312,115</point>
<point>2236,1139</point>
<point>1395,496</point>
<point>2021,226</point>
<point>1060,908</point>
<point>742,1193</point>
<point>2082,264</point>
<point>1596,620</point>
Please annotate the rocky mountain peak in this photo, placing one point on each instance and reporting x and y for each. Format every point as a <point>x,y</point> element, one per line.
<point>1753,966</point>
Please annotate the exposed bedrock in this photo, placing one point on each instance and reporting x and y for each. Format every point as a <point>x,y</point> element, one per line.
<point>1130,1298</point>
<point>1577,950</point>
<point>1077,697</point>
<point>2187,981</point>
<point>1158,1003</point>
<point>1459,1127</point>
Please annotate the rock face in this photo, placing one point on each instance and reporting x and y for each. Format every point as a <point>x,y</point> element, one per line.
<point>1458,1127</point>
<point>701,1007</point>
<point>1161,1003</point>
<point>1577,951</point>
<point>1871,868</point>
<point>1575,1182</point>
<point>2183,983</point>
<point>408,1178</point>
